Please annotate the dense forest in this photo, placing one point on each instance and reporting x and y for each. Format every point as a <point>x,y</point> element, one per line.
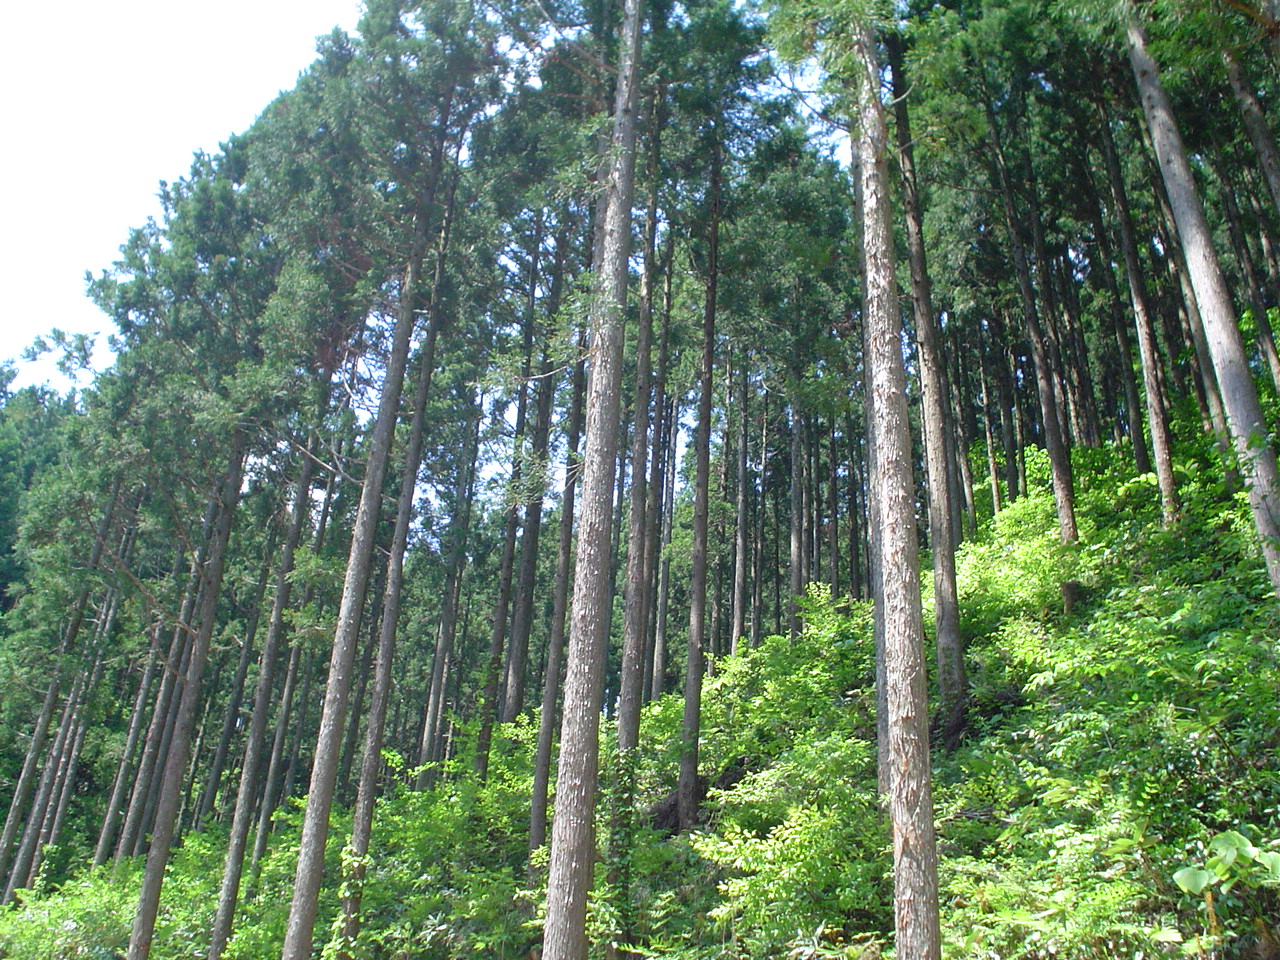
<point>688,479</point>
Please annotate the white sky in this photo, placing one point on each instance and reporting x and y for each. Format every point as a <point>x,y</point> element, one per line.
<point>101,102</point>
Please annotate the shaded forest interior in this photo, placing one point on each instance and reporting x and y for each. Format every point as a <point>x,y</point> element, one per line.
<point>672,479</point>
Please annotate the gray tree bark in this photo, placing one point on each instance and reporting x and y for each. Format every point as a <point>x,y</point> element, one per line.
<point>324,770</point>
<point>172,779</point>
<point>572,841</point>
<point>946,618</point>
<point>1235,381</point>
<point>1148,348</point>
<point>915,865</point>
<point>687,788</point>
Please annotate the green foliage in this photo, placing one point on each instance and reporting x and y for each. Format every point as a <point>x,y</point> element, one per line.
<point>87,919</point>
<point>1113,742</point>
<point>1114,794</point>
<point>1016,568</point>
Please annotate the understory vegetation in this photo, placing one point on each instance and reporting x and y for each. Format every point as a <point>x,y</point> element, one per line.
<point>1115,794</point>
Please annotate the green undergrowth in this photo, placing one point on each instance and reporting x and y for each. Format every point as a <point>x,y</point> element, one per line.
<point>1116,794</point>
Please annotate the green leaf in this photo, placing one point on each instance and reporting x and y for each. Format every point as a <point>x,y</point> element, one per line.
<point>1192,879</point>
<point>1270,861</point>
<point>1167,935</point>
<point>1230,844</point>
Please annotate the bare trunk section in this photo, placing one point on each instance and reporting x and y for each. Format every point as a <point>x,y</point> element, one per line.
<point>946,615</point>
<point>371,761</point>
<point>1204,377</point>
<point>429,750</point>
<point>324,770</point>
<point>559,610</point>
<point>687,789</point>
<point>1148,349</point>
<point>740,542</point>
<point>487,707</point>
<point>531,528</point>
<point>1239,392</point>
<point>796,555</point>
<point>915,865</point>
<point>572,842</point>
<point>635,628</point>
<point>672,426</point>
<point>171,782</point>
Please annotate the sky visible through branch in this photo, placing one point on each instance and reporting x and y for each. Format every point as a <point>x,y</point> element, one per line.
<point>102,102</point>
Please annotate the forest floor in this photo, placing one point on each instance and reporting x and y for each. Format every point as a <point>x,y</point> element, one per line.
<point>1116,793</point>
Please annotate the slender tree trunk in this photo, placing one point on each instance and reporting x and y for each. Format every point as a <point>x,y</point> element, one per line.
<point>1204,377</point>
<point>856,582</point>
<point>371,762</point>
<point>356,712</point>
<point>635,624</point>
<point>833,511</point>
<point>1239,392</point>
<point>635,628</point>
<point>57,813</point>
<point>297,732</point>
<point>1132,403</point>
<point>231,716</point>
<point>1260,135</point>
<point>273,783</point>
<point>946,618</point>
<point>741,545</point>
<point>559,610</point>
<point>531,528</point>
<point>1148,349</point>
<point>671,418</point>
<point>324,770</point>
<point>40,731</point>
<point>459,524</point>
<point>111,819</point>
<point>1059,455</point>
<point>27,777</point>
<point>910,793</point>
<point>687,791</point>
<point>170,794</point>
<point>132,833</point>
<point>572,842</point>
<point>24,858</point>
<point>656,499</point>
<point>488,704</point>
<point>993,468</point>
<point>796,556</point>
<point>1245,260</point>
<point>250,769</point>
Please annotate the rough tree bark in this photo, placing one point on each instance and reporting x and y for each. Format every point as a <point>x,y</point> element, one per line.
<point>172,778</point>
<point>1226,348</point>
<point>946,617</point>
<point>572,846</point>
<point>910,792</point>
<point>1148,348</point>
<point>687,788</point>
<point>324,770</point>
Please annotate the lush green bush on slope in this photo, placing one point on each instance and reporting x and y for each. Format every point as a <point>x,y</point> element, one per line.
<point>1117,793</point>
